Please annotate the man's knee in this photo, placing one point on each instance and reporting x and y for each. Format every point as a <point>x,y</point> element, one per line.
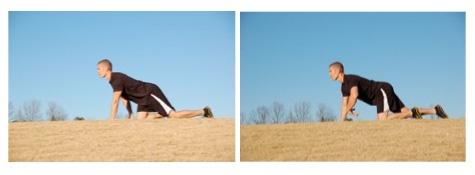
<point>382,116</point>
<point>172,114</point>
<point>141,115</point>
<point>405,110</point>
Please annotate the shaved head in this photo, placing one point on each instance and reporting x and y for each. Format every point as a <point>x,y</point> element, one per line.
<point>338,66</point>
<point>105,62</point>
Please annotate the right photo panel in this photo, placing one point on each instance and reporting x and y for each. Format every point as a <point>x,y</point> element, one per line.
<point>352,86</point>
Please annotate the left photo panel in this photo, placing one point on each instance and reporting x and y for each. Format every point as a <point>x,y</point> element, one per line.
<point>121,86</point>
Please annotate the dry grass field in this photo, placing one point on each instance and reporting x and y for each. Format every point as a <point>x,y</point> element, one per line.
<point>123,140</point>
<point>409,140</point>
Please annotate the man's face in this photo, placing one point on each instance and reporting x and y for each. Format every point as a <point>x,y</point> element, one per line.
<point>102,70</point>
<point>334,72</point>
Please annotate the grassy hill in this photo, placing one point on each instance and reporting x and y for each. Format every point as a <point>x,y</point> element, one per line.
<point>406,140</point>
<point>123,140</point>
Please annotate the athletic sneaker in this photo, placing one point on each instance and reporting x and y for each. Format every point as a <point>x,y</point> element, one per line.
<point>440,112</point>
<point>208,113</point>
<point>416,113</point>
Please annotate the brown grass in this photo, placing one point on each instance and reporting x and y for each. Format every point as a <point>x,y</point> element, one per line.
<point>149,140</point>
<point>410,140</point>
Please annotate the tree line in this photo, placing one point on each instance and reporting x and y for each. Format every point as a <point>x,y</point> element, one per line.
<point>276,114</point>
<point>30,112</point>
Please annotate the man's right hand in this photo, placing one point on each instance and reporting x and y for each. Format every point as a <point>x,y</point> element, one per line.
<point>353,113</point>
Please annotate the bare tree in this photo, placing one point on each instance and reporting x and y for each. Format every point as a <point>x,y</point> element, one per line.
<point>31,111</point>
<point>277,112</point>
<point>291,118</point>
<point>325,114</point>
<point>56,113</point>
<point>253,118</point>
<point>19,116</point>
<point>242,118</point>
<point>260,115</point>
<point>263,113</point>
<point>11,111</point>
<point>302,112</point>
<point>78,118</point>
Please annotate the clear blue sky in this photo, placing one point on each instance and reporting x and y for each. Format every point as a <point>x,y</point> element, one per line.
<point>285,58</point>
<point>190,55</point>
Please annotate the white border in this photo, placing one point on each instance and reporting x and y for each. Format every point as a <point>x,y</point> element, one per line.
<point>235,167</point>
<point>237,88</point>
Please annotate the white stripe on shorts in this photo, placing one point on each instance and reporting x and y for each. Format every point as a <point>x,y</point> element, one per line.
<point>164,105</point>
<point>385,100</point>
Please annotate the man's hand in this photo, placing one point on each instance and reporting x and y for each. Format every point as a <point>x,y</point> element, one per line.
<point>353,113</point>
<point>350,103</point>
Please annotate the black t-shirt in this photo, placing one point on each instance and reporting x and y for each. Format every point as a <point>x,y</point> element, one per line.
<point>367,89</point>
<point>133,90</point>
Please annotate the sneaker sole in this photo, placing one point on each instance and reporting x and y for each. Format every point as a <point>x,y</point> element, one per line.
<point>440,112</point>
<point>418,113</point>
<point>210,114</point>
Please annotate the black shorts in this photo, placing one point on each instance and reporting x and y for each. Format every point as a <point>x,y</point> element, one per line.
<point>153,105</point>
<point>392,100</point>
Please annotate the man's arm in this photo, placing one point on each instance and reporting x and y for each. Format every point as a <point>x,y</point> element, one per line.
<point>343,108</point>
<point>128,107</point>
<point>115,104</point>
<point>352,101</point>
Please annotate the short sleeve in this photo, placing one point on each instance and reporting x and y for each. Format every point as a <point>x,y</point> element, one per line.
<point>117,84</point>
<point>343,92</point>
<point>351,82</point>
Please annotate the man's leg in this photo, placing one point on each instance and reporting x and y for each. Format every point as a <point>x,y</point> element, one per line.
<point>394,104</point>
<point>154,116</point>
<point>382,106</point>
<point>160,104</point>
<point>141,115</point>
<point>383,116</point>
<point>164,108</point>
<point>427,111</point>
<point>405,113</point>
<point>186,113</point>
<point>146,115</point>
<point>438,110</point>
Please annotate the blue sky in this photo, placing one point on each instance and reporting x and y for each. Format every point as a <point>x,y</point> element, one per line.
<point>190,55</point>
<point>285,58</point>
